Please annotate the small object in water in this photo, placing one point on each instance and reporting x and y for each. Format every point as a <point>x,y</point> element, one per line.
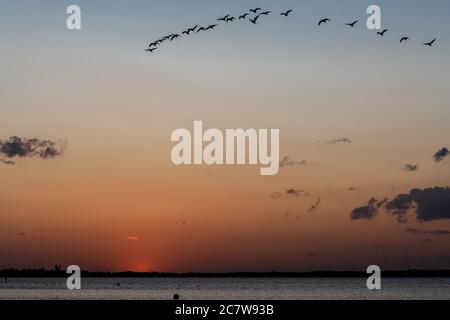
<point>176,296</point>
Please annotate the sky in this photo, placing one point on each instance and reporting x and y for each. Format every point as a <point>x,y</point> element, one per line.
<point>113,200</point>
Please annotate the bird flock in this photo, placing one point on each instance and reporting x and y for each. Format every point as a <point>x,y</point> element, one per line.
<point>253,16</point>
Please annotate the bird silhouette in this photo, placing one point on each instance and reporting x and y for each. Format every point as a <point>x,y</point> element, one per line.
<point>255,10</point>
<point>186,32</point>
<point>254,19</point>
<point>381,33</point>
<point>223,18</point>
<point>153,44</point>
<point>150,49</point>
<point>265,12</point>
<point>430,43</point>
<point>325,20</point>
<point>286,13</point>
<point>404,39</point>
<point>230,19</point>
<point>193,28</point>
<point>174,37</point>
<point>200,29</point>
<point>243,16</point>
<point>352,24</point>
<point>211,27</point>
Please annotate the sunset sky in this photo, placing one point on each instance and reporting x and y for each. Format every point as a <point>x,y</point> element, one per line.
<point>113,200</point>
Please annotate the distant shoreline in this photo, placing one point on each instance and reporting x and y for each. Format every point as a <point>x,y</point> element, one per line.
<point>16,273</point>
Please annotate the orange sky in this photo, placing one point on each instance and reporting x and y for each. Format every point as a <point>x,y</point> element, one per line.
<point>115,201</point>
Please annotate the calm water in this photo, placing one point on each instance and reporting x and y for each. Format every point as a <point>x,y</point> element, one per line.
<point>226,288</point>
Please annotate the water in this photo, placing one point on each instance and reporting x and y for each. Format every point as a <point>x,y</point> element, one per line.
<point>226,288</point>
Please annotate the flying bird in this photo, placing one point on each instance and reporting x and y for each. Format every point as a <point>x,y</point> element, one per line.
<point>286,13</point>
<point>150,49</point>
<point>243,16</point>
<point>223,18</point>
<point>186,32</point>
<point>174,37</point>
<point>381,33</point>
<point>230,19</point>
<point>352,24</point>
<point>430,43</point>
<point>255,10</point>
<point>404,39</point>
<point>192,29</point>
<point>254,19</point>
<point>265,12</point>
<point>323,21</point>
<point>153,44</point>
<point>200,29</point>
<point>211,26</point>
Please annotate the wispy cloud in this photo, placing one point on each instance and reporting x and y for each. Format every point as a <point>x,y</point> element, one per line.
<point>315,206</point>
<point>412,231</point>
<point>410,167</point>
<point>339,140</point>
<point>132,238</point>
<point>289,192</point>
<point>438,232</point>
<point>288,162</point>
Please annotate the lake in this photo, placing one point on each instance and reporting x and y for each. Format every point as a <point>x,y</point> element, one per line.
<point>226,288</point>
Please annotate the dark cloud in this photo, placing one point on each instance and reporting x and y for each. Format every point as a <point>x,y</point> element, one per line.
<point>410,167</point>
<point>438,232</point>
<point>412,231</point>
<point>21,147</point>
<point>427,204</point>
<point>368,211</point>
<point>441,154</point>
<point>339,140</point>
<point>288,162</point>
<point>314,206</point>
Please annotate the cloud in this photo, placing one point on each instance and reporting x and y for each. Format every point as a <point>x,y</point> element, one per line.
<point>427,204</point>
<point>368,211</point>
<point>10,162</point>
<point>21,147</point>
<point>288,162</point>
<point>412,231</point>
<point>314,206</point>
<point>438,232</point>
<point>289,192</point>
<point>410,167</point>
<point>441,154</point>
<point>339,140</point>
<point>276,195</point>
<point>296,192</point>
